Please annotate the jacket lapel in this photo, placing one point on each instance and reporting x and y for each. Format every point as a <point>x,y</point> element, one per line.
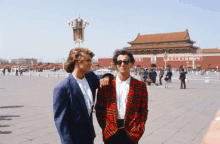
<point>130,97</point>
<point>76,91</point>
<point>90,86</point>
<point>113,90</point>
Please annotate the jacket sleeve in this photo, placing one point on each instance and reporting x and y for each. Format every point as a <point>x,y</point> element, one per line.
<point>100,107</point>
<point>60,109</point>
<point>144,105</point>
<point>138,130</point>
<point>143,110</point>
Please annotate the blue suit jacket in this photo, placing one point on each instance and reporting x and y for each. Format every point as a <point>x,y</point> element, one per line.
<point>169,73</point>
<point>71,117</point>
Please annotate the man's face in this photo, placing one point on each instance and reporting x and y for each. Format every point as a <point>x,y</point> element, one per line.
<point>122,65</point>
<point>85,64</point>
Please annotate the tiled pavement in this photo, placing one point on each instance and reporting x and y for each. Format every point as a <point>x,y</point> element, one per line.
<point>176,116</point>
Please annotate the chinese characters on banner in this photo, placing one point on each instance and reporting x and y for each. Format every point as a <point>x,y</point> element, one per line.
<point>138,59</point>
<point>197,58</point>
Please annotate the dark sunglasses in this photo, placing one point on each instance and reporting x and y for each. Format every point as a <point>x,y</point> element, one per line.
<point>126,62</point>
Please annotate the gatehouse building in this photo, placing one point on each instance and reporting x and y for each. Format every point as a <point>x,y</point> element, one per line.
<point>173,50</point>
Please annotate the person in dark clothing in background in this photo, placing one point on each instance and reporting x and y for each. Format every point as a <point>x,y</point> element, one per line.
<point>182,79</point>
<point>160,76</point>
<point>21,71</point>
<point>16,72</point>
<point>3,72</point>
<point>169,74</point>
<point>152,75</point>
<point>149,80</point>
<point>145,75</point>
<point>155,76</point>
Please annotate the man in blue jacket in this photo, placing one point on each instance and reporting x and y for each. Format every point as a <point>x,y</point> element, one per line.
<point>169,74</point>
<point>145,75</point>
<point>153,76</point>
<point>73,99</point>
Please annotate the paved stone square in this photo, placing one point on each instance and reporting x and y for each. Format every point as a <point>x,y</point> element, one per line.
<point>176,116</point>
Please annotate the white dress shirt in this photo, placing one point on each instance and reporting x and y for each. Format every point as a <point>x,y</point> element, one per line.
<point>122,89</point>
<point>87,93</point>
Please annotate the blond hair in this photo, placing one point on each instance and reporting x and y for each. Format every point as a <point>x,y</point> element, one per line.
<point>76,54</point>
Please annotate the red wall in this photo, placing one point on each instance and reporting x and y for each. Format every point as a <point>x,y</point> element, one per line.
<point>105,62</point>
<point>213,60</point>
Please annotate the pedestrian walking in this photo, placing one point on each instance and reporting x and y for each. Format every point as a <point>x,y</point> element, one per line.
<point>21,71</point>
<point>161,75</point>
<point>166,81</point>
<point>169,74</point>
<point>3,72</point>
<point>155,76</point>
<point>149,79</point>
<point>145,75</point>
<point>182,79</point>
<point>152,76</point>
<point>122,106</point>
<point>16,72</point>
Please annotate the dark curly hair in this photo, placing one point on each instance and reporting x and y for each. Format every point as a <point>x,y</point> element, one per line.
<point>76,54</point>
<point>122,52</point>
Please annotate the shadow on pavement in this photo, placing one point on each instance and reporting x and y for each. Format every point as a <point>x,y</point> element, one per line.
<point>4,125</point>
<point>11,106</point>
<point>8,117</point>
<point>5,132</point>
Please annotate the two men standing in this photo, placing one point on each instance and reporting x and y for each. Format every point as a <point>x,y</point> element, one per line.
<point>122,106</point>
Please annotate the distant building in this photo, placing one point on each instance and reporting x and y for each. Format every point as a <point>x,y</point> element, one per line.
<point>24,61</point>
<point>173,43</point>
<point>149,51</point>
<point>4,61</point>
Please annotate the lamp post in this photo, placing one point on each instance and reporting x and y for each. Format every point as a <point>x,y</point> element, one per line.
<point>165,59</point>
<point>78,26</point>
<point>217,68</point>
<point>63,62</point>
<point>32,64</point>
<point>187,66</point>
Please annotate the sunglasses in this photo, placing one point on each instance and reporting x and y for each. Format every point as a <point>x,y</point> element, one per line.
<point>126,62</point>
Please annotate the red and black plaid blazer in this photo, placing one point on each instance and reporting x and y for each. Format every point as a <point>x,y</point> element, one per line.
<point>136,110</point>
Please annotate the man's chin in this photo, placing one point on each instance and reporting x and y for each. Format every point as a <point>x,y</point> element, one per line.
<point>123,72</point>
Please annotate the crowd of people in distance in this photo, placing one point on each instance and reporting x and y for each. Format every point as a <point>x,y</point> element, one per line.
<point>16,72</point>
<point>150,77</point>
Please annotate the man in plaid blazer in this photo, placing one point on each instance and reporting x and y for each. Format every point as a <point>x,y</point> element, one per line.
<point>122,106</point>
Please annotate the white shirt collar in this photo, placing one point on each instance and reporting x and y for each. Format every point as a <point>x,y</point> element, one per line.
<point>79,80</point>
<point>119,81</point>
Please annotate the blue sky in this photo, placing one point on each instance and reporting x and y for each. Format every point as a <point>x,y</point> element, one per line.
<point>39,28</point>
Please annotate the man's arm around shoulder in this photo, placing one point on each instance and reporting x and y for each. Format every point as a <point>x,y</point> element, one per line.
<point>144,106</point>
